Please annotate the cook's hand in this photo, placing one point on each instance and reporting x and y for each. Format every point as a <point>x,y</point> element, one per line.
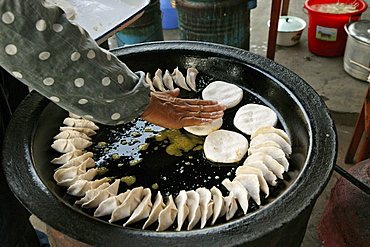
<point>168,111</point>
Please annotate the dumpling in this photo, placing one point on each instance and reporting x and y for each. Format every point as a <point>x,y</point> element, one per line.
<point>271,129</point>
<point>219,208</point>
<point>251,183</point>
<point>89,175</point>
<point>158,80</point>
<point>79,159</point>
<point>191,75</point>
<point>83,159</point>
<point>205,204</point>
<point>183,209</point>
<point>80,123</point>
<point>128,206</point>
<point>231,205</point>
<point>168,215</point>
<point>66,174</point>
<point>167,80</point>
<point>283,144</point>
<point>143,209</point>
<point>158,206</point>
<point>80,187</point>
<point>64,158</point>
<point>239,192</point>
<point>93,199</point>
<point>90,194</point>
<point>179,79</point>
<point>149,81</point>
<point>70,134</point>
<point>107,206</point>
<point>225,146</point>
<point>87,131</point>
<point>271,163</point>
<point>251,170</point>
<point>252,149</point>
<point>267,174</point>
<point>68,145</point>
<point>250,117</point>
<point>194,209</point>
<point>276,153</point>
<point>224,93</point>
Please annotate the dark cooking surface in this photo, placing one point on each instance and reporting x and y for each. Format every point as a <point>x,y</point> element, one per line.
<point>172,173</point>
<point>280,222</point>
<point>115,146</point>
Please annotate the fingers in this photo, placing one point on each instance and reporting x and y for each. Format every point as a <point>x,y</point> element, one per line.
<point>174,93</point>
<point>212,108</point>
<point>191,121</point>
<point>200,102</point>
<point>189,104</point>
<point>168,111</point>
<point>198,105</point>
<point>213,111</point>
<point>198,109</point>
<point>198,118</point>
<point>202,108</point>
<point>207,115</point>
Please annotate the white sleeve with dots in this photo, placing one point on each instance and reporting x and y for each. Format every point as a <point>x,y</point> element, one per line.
<point>40,47</point>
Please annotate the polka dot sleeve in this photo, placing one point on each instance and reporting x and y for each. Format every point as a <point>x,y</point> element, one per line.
<point>41,48</point>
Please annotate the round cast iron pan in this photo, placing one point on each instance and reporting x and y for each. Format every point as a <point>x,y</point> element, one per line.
<point>301,112</point>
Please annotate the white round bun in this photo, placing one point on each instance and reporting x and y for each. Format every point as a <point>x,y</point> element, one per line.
<point>224,93</point>
<point>252,116</point>
<point>225,146</point>
<point>203,130</point>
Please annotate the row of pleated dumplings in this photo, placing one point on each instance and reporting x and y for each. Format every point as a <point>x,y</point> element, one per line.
<point>77,172</point>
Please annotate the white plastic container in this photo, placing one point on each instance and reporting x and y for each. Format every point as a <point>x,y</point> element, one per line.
<point>290,29</point>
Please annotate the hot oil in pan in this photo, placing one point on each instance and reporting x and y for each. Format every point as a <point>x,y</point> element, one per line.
<point>130,152</point>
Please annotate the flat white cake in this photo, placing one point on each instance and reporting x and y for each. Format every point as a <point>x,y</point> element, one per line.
<point>252,116</point>
<point>224,93</point>
<point>225,146</point>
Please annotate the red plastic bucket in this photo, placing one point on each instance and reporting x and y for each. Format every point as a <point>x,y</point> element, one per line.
<point>326,34</point>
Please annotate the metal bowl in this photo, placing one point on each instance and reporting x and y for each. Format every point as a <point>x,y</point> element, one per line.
<point>282,222</point>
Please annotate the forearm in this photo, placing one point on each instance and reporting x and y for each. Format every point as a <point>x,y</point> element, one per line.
<point>58,59</point>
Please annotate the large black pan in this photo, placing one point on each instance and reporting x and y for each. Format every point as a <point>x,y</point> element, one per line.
<point>282,222</point>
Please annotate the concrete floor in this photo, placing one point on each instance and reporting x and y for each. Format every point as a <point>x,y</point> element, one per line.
<point>342,93</point>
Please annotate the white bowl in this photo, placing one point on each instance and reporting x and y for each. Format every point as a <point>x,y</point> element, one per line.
<point>290,29</point>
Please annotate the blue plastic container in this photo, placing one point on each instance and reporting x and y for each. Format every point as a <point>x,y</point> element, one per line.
<point>169,15</point>
<point>252,4</point>
<point>147,28</point>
